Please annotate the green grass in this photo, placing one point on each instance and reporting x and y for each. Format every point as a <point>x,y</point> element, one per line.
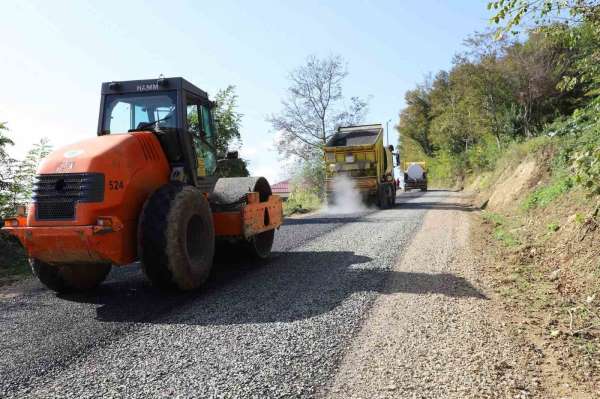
<point>13,262</point>
<point>553,227</point>
<point>543,196</point>
<point>506,237</point>
<point>301,201</point>
<point>502,231</point>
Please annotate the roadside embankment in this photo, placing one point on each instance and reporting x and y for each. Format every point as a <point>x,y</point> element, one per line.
<point>540,239</point>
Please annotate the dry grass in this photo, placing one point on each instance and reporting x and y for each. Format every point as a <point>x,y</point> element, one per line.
<point>547,275</point>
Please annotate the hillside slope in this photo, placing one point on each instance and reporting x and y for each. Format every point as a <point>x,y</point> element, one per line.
<point>539,234</point>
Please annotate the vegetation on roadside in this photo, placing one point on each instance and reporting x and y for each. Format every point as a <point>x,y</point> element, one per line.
<point>16,176</point>
<point>306,187</point>
<point>542,221</point>
<point>302,200</point>
<point>502,228</point>
<point>13,263</point>
<point>16,184</point>
<point>509,88</point>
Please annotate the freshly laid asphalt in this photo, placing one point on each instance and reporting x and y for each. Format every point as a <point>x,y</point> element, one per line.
<point>269,329</point>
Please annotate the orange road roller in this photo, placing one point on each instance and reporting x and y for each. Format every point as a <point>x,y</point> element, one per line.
<point>146,188</point>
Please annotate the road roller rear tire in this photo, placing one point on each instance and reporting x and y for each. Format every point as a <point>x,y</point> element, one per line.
<point>70,277</point>
<point>176,237</point>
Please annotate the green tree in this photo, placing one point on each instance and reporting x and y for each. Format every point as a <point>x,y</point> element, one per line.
<point>415,121</point>
<point>27,169</point>
<point>228,120</point>
<point>575,22</point>
<point>6,171</point>
<point>228,138</point>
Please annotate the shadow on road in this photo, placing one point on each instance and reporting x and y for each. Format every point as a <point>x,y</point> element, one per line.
<point>292,286</point>
<point>448,206</point>
<point>324,219</point>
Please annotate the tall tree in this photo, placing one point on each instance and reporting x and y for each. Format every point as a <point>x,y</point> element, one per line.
<point>7,169</point>
<point>27,169</point>
<point>228,120</point>
<point>576,22</point>
<point>314,107</point>
<point>415,122</point>
<point>512,13</point>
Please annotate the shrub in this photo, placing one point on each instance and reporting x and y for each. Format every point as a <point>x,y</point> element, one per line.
<point>301,200</point>
<point>545,195</point>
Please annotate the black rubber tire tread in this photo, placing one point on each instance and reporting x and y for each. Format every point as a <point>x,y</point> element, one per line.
<point>392,195</point>
<point>163,237</point>
<point>383,199</point>
<point>260,245</point>
<point>69,277</point>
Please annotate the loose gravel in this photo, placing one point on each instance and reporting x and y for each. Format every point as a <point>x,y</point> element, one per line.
<point>278,329</point>
<point>433,333</point>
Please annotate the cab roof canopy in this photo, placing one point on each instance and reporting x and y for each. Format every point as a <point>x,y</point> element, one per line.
<point>144,85</point>
<point>355,135</point>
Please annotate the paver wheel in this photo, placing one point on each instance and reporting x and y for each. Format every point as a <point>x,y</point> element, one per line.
<point>69,277</point>
<point>176,237</point>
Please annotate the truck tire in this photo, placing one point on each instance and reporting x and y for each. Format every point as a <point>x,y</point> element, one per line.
<point>391,195</point>
<point>383,197</point>
<point>69,277</point>
<point>176,237</point>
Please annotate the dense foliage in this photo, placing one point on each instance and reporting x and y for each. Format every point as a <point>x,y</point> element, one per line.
<point>505,88</point>
<point>16,176</point>
<point>228,120</point>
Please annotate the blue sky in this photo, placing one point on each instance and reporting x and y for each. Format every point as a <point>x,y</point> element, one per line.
<point>54,55</point>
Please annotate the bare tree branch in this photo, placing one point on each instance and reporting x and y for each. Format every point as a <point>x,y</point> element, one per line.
<point>314,107</point>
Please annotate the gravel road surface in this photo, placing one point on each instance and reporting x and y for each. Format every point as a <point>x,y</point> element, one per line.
<point>434,333</point>
<point>375,304</point>
<point>257,330</point>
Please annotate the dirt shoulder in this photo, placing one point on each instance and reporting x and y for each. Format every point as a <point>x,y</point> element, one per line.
<point>543,269</point>
<point>435,333</point>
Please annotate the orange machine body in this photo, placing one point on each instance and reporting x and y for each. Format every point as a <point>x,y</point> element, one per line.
<point>133,166</point>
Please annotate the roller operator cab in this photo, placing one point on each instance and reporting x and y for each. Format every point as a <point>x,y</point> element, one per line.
<point>144,188</point>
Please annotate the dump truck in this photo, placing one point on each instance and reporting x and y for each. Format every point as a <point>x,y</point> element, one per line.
<point>415,176</point>
<point>357,152</point>
<point>144,189</point>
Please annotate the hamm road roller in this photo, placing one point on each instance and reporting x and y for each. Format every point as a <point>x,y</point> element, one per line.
<point>144,189</point>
